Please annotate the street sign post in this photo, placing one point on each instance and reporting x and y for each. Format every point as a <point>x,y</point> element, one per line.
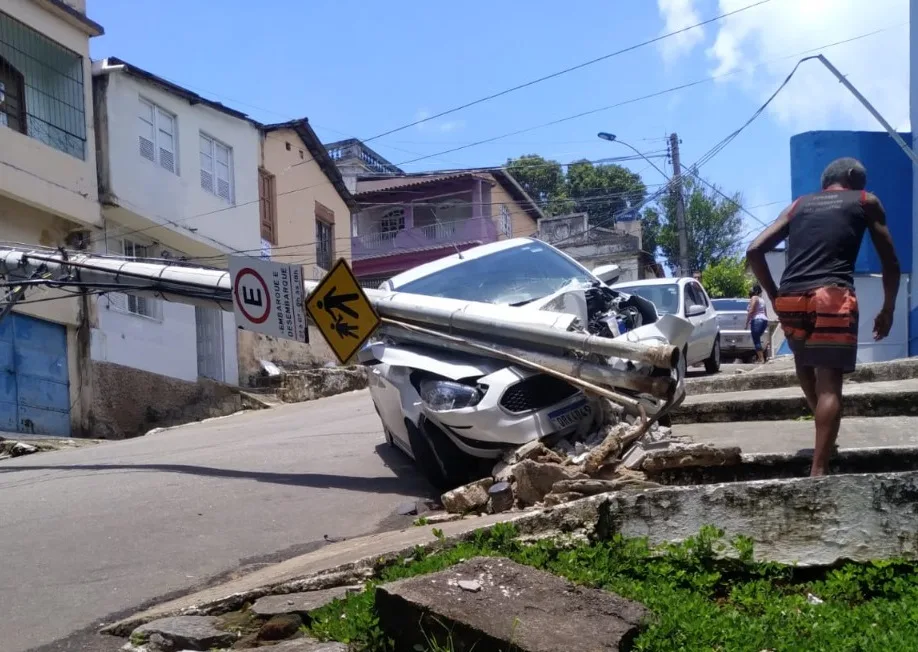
<point>268,297</point>
<point>342,312</point>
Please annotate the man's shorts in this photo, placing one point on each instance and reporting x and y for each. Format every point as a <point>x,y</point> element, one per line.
<point>821,326</point>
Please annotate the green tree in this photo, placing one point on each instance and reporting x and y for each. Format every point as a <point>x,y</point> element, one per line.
<point>650,230</point>
<point>727,278</point>
<point>543,180</point>
<point>604,191</point>
<point>713,224</point>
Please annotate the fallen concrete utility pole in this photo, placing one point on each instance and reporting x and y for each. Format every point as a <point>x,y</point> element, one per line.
<point>204,286</point>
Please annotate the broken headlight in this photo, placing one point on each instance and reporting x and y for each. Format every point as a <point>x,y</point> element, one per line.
<point>442,395</point>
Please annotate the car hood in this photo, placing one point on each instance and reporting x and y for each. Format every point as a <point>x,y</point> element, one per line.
<point>454,366</point>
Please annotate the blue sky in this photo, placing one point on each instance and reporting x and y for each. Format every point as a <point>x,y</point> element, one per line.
<point>359,68</point>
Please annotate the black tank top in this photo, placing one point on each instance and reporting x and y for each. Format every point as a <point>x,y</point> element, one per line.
<point>826,230</point>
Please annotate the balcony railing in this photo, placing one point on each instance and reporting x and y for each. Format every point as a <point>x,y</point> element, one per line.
<point>479,229</point>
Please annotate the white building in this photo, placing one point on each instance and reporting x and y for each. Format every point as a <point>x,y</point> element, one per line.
<point>178,177</point>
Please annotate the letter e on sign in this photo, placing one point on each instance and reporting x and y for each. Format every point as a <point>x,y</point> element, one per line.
<point>251,296</point>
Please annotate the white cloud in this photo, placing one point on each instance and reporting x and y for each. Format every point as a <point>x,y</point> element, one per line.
<point>877,65</point>
<point>679,14</point>
<point>437,125</point>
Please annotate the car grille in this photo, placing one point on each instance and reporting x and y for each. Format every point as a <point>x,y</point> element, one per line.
<point>536,393</point>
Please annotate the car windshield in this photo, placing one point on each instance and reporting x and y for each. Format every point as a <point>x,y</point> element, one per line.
<point>730,305</point>
<point>664,297</point>
<point>513,276</point>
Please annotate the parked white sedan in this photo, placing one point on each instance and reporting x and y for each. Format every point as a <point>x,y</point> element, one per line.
<point>684,297</point>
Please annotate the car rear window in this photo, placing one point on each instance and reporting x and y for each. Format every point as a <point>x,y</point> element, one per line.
<point>730,304</point>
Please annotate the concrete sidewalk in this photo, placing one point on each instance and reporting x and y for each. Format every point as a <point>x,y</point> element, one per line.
<point>791,436</point>
<point>882,399</point>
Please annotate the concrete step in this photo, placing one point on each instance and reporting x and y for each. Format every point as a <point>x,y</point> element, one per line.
<point>782,374</point>
<point>879,399</point>
<point>770,437</point>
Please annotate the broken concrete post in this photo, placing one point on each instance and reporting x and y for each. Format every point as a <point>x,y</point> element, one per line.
<point>687,455</point>
<point>500,497</point>
<point>517,607</point>
<point>468,497</point>
<point>534,480</point>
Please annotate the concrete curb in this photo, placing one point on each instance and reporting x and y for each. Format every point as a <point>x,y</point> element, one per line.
<point>755,380</point>
<point>756,407</point>
<point>669,513</point>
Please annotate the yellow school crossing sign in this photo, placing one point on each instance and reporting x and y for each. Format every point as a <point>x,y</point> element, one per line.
<point>342,312</point>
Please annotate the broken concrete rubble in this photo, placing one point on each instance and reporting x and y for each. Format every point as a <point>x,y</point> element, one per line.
<point>534,480</point>
<point>182,633</point>
<point>689,455</point>
<point>299,603</point>
<point>468,497</point>
<point>515,607</point>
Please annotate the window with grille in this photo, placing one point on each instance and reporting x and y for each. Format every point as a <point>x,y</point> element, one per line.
<point>506,224</point>
<point>267,202</point>
<point>12,98</point>
<point>217,169</point>
<point>325,244</point>
<point>143,306</point>
<point>157,136</point>
<point>392,222</point>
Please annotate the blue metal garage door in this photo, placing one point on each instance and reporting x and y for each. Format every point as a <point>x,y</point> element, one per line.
<point>34,381</point>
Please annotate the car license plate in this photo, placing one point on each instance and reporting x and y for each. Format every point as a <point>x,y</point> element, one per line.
<point>570,415</point>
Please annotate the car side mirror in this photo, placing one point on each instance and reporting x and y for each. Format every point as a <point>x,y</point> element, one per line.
<point>694,310</point>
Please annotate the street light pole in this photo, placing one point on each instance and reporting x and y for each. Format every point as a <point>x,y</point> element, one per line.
<point>676,186</point>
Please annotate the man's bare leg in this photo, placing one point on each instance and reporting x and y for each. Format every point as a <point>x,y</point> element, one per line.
<point>807,378</point>
<point>828,417</point>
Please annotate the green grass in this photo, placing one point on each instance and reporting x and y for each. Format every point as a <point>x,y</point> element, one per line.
<point>701,598</point>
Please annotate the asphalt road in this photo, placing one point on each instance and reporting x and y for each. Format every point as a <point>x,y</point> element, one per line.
<point>92,533</point>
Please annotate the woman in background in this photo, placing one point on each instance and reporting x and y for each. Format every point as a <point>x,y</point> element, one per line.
<point>757,321</point>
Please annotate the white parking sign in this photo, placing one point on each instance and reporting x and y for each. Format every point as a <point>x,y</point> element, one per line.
<point>268,297</point>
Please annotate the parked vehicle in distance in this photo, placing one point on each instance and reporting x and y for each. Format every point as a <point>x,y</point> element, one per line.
<point>735,336</point>
<point>684,297</point>
<point>455,413</point>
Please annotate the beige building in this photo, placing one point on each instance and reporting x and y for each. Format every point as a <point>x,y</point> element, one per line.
<point>305,220</point>
<point>48,197</point>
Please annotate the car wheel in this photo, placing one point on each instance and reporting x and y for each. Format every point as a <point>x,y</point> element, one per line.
<point>712,364</point>
<point>456,467</point>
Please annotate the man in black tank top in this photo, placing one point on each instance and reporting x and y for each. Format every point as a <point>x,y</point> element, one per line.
<point>816,303</point>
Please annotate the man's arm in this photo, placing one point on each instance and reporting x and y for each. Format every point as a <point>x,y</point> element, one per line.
<point>767,240</point>
<point>882,242</point>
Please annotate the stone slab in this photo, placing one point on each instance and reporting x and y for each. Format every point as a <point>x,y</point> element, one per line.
<point>517,607</point>
<point>184,633</point>
<point>882,399</point>
<point>299,645</point>
<point>297,603</point>
<point>806,521</point>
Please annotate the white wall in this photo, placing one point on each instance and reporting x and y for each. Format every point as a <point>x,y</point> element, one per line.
<point>157,194</point>
<point>167,344</point>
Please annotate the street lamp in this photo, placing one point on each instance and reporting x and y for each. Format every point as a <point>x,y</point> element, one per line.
<point>613,139</point>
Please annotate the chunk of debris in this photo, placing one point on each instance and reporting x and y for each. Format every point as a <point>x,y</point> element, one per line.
<point>182,633</point>
<point>553,499</point>
<point>473,586</point>
<point>534,480</point>
<point>681,455</point>
<point>18,449</point>
<point>468,497</point>
<point>500,497</point>
<point>518,607</point>
<point>299,603</point>
<point>280,627</point>
<point>300,645</point>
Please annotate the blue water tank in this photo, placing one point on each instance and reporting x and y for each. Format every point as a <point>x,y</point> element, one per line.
<point>889,176</point>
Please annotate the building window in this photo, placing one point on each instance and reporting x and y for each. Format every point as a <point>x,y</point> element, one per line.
<point>267,203</point>
<point>12,98</point>
<point>157,136</point>
<point>506,224</point>
<point>217,168</point>
<point>42,88</point>
<point>391,223</point>
<point>325,236</point>
<point>142,306</point>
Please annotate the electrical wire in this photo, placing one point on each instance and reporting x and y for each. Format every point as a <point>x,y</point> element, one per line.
<point>547,124</point>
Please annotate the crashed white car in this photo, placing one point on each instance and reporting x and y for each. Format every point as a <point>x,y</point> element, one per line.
<point>454,412</point>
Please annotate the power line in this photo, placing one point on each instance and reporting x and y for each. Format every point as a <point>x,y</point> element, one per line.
<point>551,123</point>
<point>567,70</point>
